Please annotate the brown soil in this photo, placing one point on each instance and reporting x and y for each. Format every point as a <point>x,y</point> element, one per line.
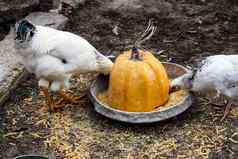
<point>188,30</point>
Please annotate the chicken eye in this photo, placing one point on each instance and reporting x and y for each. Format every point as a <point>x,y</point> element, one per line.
<point>64,61</point>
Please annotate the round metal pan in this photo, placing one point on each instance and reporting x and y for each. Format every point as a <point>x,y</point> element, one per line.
<point>101,85</point>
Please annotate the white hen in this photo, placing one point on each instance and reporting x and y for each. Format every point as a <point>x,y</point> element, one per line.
<point>215,73</point>
<point>53,56</point>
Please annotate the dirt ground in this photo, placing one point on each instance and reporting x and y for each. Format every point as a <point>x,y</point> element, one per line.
<point>187,30</point>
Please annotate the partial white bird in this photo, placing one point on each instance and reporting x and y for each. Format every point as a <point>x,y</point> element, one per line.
<point>54,55</point>
<point>215,73</point>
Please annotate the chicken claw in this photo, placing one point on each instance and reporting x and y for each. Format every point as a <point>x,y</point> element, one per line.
<point>66,99</point>
<point>49,99</point>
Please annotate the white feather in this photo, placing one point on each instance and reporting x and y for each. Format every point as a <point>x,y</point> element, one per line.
<point>54,55</point>
<point>217,73</point>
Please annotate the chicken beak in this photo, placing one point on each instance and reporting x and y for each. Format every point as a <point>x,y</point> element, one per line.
<point>174,89</point>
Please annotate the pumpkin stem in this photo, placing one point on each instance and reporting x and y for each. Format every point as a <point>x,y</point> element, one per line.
<point>135,55</point>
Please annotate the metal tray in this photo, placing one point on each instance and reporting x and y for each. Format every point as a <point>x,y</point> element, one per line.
<point>101,84</point>
<point>31,157</point>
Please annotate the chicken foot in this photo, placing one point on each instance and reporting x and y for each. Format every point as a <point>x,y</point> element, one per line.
<point>68,99</point>
<point>65,99</point>
<point>49,99</point>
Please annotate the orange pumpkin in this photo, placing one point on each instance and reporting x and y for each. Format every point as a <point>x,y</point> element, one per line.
<point>138,82</point>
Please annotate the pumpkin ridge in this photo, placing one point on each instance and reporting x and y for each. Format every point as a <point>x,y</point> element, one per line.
<point>142,89</point>
<point>122,78</point>
<point>127,84</point>
<point>146,80</point>
<point>159,77</point>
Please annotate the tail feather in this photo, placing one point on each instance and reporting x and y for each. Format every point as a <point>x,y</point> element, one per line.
<point>99,63</point>
<point>104,64</point>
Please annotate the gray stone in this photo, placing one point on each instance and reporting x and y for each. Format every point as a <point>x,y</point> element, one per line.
<point>46,5</point>
<point>16,9</point>
<point>10,70</point>
<point>53,20</point>
<point>124,4</point>
<point>133,7</point>
<point>73,3</point>
<point>12,10</point>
